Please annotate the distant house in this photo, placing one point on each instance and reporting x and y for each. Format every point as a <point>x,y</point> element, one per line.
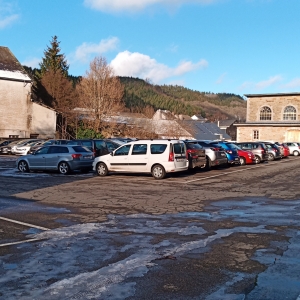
<point>19,116</point>
<point>198,118</point>
<point>273,117</point>
<point>228,126</point>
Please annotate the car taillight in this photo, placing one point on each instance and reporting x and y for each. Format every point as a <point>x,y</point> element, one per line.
<point>171,156</point>
<point>76,156</point>
<point>229,151</point>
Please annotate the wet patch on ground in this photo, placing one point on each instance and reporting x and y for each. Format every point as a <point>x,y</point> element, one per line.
<point>222,253</point>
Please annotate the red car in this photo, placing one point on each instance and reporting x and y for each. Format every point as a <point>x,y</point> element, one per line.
<point>286,150</point>
<point>246,157</point>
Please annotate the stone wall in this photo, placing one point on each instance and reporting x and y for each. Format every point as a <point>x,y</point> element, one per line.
<point>276,103</point>
<point>268,133</point>
<point>15,110</point>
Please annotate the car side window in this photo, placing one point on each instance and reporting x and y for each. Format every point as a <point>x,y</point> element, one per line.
<point>55,149</point>
<point>111,146</point>
<point>157,148</point>
<point>179,148</point>
<point>123,150</point>
<point>139,149</point>
<point>43,150</point>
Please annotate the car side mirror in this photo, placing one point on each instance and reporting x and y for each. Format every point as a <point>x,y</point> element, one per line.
<point>111,153</point>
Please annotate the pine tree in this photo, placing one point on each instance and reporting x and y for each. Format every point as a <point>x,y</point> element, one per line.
<point>53,60</point>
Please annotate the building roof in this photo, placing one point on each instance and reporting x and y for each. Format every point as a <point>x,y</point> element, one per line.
<point>225,123</point>
<point>10,67</point>
<point>205,131</point>
<point>272,95</point>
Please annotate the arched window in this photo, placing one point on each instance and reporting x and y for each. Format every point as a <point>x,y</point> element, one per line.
<point>289,113</point>
<point>265,113</point>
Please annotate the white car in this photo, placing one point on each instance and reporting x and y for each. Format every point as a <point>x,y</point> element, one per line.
<point>294,148</point>
<point>24,148</point>
<point>157,157</point>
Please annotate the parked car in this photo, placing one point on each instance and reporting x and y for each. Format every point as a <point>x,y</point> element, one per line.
<point>294,148</point>
<point>285,152</point>
<point>5,149</point>
<point>63,158</point>
<point>5,142</point>
<point>20,144</point>
<point>273,151</point>
<point>195,154</point>
<point>257,148</point>
<point>97,146</point>
<point>230,150</point>
<point>214,155</point>
<point>23,149</point>
<point>246,157</point>
<point>157,157</point>
<point>47,143</point>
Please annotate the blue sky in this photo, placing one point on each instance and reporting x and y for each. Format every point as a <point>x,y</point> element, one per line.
<point>232,46</point>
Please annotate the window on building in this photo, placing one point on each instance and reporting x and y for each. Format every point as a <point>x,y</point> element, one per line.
<point>255,134</point>
<point>289,113</point>
<point>265,113</point>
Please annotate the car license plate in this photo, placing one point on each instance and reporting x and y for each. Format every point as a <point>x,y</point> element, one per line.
<point>87,157</point>
<point>180,159</point>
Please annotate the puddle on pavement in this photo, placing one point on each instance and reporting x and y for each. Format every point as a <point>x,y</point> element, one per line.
<point>105,260</point>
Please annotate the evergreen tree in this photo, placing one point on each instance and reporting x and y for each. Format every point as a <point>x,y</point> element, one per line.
<point>53,60</point>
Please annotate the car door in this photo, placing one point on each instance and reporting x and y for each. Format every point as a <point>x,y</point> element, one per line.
<point>180,159</point>
<point>54,156</point>
<point>119,159</point>
<point>38,159</point>
<point>138,158</point>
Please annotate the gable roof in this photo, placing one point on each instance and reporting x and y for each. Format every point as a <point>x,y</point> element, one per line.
<point>10,67</point>
<point>205,131</point>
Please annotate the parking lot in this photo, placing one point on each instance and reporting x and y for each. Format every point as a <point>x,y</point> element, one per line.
<point>228,233</point>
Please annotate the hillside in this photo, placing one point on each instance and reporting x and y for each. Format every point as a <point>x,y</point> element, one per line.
<point>180,100</point>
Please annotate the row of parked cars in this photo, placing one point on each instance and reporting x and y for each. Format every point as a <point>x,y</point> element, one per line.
<point>158,157</point>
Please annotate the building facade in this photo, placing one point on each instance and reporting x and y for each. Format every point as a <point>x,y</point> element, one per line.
<point>19,116</point>
<point>271,117</point>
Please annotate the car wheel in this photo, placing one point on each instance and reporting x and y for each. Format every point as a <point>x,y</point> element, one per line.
<point>242,161</point>
<point>64,168</point>
<point>158,172</point>
<point>23,166</point>
<point>296,153</point>
<point>101,169</point>
<point>257,159</point>
<point>271,157</point>
<point>208,164</point>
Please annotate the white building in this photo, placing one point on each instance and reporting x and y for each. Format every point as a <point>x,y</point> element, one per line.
<point>19,116</point>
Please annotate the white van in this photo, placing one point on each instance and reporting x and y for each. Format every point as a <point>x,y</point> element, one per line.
<point>157,157</point>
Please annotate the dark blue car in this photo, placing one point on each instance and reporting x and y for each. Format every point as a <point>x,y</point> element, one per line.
<point>230,150</point>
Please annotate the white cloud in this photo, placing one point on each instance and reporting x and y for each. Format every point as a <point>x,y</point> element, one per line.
<point>137,5</point>
<point>32,62</point>
<point>295,83</point>
<point>266,83</point>
<point>6,21</point>
<point>248,85</point>
<point>143,66</point>
<point>7,14</point>
<point>221,78</point>
<point>84,52</point>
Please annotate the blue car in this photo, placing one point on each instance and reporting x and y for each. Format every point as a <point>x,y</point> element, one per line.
<point>230,150</point>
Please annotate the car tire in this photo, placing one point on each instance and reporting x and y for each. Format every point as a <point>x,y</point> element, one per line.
<point>296,153</point>
<point>271,157</point>
<point>158,172</point>
<point>23,166</point>
<point>101,169</point>
<point>257,159</point>
<point>242,161</point>
<point>64,168</point>
<point>208,164</point>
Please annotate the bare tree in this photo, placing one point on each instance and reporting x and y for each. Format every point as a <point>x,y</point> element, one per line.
<point>100,94</point>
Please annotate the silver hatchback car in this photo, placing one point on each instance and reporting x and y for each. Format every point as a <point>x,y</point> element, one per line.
<point>63,158</point>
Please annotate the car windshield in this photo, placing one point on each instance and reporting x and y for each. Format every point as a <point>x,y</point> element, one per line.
<point>193,146</point>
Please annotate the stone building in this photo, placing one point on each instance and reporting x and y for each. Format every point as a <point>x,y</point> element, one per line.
<point>271,117</point>
<point>19,116</point>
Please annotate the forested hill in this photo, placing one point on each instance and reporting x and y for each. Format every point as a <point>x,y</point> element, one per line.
<point>180,100</point>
